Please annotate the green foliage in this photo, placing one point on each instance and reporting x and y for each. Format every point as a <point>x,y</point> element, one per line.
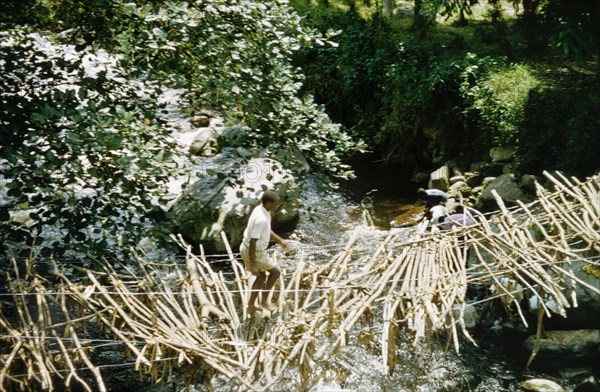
<point>384,90</point>
<point>574,27</point>
<point>84,158</point>
<point>418,101</point>
<point>236,58</point>
<point>349,79</point>
<point>418,93</point>
<point>561,130</point>
<point>90,21</point>
<point>449,8</point>
<point>84,154</point>
<point>20,11</point>
<point>498,99</point>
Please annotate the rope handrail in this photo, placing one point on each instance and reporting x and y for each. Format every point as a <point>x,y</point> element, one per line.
<point>476,273</point>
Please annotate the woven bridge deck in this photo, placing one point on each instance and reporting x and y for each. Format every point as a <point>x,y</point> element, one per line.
<point>193,316</point>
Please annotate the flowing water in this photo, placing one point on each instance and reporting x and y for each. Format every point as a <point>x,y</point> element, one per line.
<point>326,218</point>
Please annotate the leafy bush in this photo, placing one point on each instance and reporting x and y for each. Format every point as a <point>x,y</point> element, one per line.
<point>90,21</point>
<point>349,79</point>
<point>20,11</point>
<point>393,91</point>
<point>498,98</point>
<point>86,156</point>
<point>561,130</point>
<point>574,27</point>
<point>421,99</point>
<point>426,101</point>
<point>385,90</point>
<point>236,58</point>
<point>83,156</point>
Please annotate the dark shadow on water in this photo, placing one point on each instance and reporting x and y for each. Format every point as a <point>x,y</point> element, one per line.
<point>390,181</point>
<point>384,191</point>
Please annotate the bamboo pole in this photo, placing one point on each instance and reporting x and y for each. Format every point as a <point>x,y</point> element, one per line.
<point>238,275</point>
<point>205,306</point>
<point>419,283</point>
<point>538,336</point>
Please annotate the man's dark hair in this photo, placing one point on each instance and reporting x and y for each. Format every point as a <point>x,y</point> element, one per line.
<point>269,196</point>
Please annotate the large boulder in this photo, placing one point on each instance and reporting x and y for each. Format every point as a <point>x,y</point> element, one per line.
<point>529,183</point>
<point>440,179</point>
<point>506,187</point>
<point>205,142</point>
<point>577,348</point>
<point>502,153</point>
<point>585,314</point>
<point>224,197</point>
<point>209,130</point>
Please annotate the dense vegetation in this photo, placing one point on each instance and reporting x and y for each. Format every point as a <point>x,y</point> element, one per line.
<point>85,152</point>
<point>426,92</point>
<point>85,149</point>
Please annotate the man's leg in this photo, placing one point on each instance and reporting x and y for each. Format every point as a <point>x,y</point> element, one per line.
<point>274,274</point>
<point>257,286</point>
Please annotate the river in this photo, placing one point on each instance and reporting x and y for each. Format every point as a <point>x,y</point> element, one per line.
<point>326,218</point>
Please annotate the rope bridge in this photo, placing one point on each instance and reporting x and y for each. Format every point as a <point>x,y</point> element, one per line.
<point>193,317</point>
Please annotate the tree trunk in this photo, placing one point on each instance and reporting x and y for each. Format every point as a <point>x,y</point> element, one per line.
<point>388,6</point>
<point>530,7</point>
<point>419,20</point>
<point>535,41</point>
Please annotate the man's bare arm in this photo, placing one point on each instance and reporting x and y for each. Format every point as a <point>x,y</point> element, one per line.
<point>279,240</point>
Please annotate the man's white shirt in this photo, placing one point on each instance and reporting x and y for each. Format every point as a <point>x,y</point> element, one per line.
<point>259,227</point>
